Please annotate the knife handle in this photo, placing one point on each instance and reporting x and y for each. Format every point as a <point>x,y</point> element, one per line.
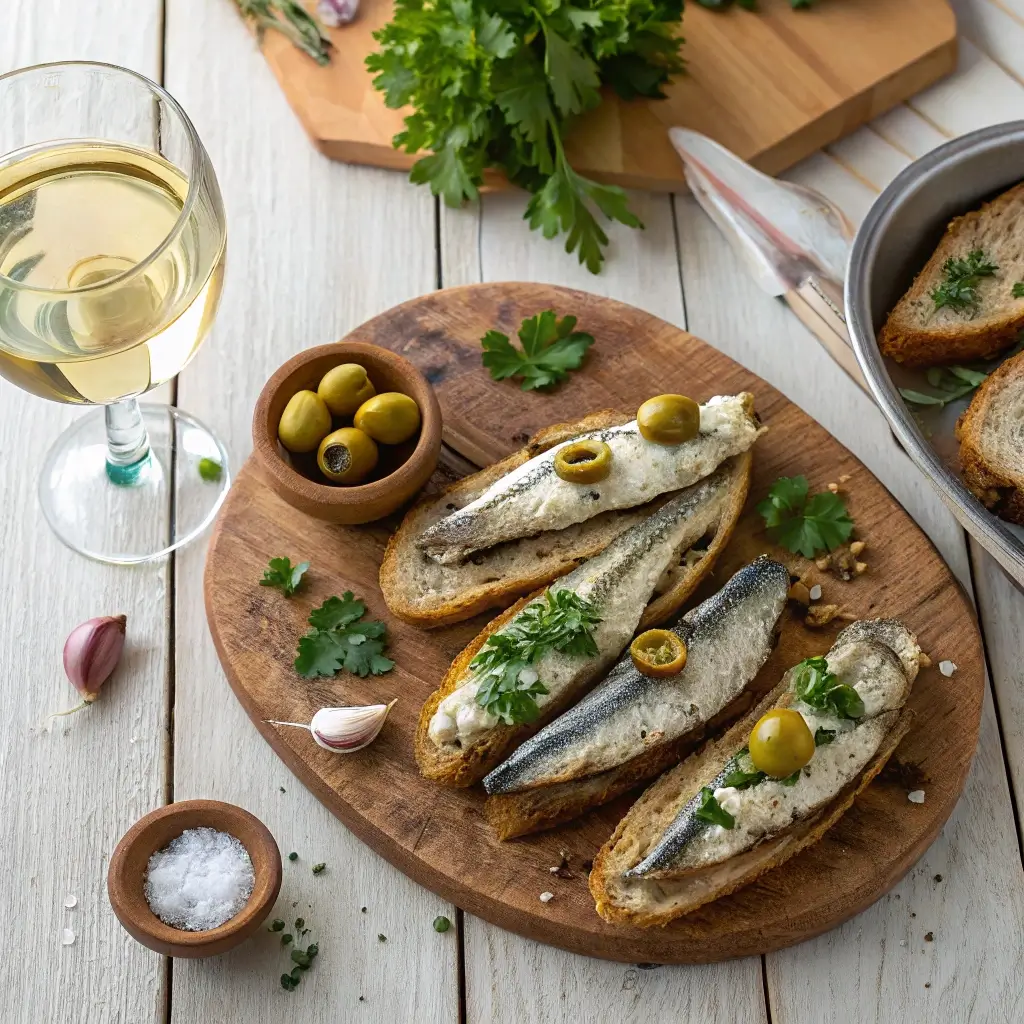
<point>819,305</point>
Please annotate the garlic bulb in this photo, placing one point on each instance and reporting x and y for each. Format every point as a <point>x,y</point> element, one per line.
<point>91,653</point>
<point>345,730</point>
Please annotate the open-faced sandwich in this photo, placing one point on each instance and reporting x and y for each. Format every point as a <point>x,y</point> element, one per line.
<point>532,517</point>
<point>648,712</point>
<point>771,786</point>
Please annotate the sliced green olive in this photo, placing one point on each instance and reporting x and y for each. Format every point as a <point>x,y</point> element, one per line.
<point>306,420</point>
<point>669,419</point>
<point>781,743</point>
<point>347,456</point>
<point>389,418</point>
<point>658,653</point>
<point>345,388</point>
<point>584,462</point>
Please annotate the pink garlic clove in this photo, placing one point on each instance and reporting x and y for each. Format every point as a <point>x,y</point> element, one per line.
<point>91,653</point>
<point>335,13</point>
<point>345,730</point>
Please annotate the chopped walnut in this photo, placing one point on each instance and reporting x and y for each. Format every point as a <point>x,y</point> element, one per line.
<point>924,660</point>
<point>799,593</point>
<point>819,615</point>
<point>843,562</point>
<point>834,488</point>
<point>844,478</point>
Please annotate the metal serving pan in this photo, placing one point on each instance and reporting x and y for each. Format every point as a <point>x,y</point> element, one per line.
<point>893,243</point>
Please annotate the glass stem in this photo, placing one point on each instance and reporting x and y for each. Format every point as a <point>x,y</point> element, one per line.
<point>127,440</point>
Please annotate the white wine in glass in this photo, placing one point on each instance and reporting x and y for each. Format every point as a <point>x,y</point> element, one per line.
<point>112,242</point>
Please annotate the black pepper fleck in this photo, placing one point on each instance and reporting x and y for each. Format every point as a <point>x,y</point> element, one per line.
<point>929,937</point>
<point>937,878</point>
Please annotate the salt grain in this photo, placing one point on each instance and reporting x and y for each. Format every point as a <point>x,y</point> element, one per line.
<point>947,668</point>
<point>816,592</point>
<point>70,901</point>
<point>67,937</point>
<point>916,796</point>
<point>199,880</point>
<point>546,897</point>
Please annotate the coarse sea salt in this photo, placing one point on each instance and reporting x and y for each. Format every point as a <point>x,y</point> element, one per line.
<point>199,880</point>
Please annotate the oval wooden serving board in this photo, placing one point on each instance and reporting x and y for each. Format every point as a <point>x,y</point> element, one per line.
<point>439,836</point>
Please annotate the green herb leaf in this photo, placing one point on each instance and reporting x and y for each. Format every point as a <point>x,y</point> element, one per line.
<point>282,574</point>
<point>318,868</point>
<point>1018,290</point>
<point>791,780</point>
<point>340,640</point>
<point>801,524</point>
<point>550,349</point>
<point>559,621</point>
<point>210,470</point>
<point>952,381</point>
<point>293,855</point>
<point>740,779</point>
<point>286,939</point>
<point>381,937</point>
<point>276,925</point>
<point>300,957</point>
<point>961,275</point>
<point>288,983</point>
<point>818,688</point>
<point>709,810</point>
<point>300,923</point>
<point>441,924</point>
<point>823,737</point>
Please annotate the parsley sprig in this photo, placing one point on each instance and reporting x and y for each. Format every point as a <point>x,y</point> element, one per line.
<point>495,86</point>
<point>561,621</point>
<point>551,347</point>
<point>952,382</point>
<point>709,810</point>
<point>801,524</point>
<point>340,640</point>
<point>819,688</point>
<point>282,574</point>
<point>961,275</point>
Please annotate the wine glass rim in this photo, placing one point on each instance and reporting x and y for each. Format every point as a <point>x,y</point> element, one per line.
<point>195,173</point>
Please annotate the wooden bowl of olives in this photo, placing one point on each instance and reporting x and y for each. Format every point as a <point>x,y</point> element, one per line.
<point>347,432</point>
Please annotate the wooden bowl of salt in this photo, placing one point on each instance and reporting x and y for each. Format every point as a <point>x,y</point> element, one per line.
<point>214,879</point>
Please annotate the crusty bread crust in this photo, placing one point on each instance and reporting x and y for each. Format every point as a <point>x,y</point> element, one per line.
<point>916,334</point>
<point>985,451</point>
<point>468,765</point>
<point>662,900</point>
<point>521,567</point>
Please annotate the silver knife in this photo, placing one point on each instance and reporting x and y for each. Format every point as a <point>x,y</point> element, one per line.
<point>794,240</point>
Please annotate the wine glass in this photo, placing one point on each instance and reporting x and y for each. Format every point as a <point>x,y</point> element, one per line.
<point>112,242</point>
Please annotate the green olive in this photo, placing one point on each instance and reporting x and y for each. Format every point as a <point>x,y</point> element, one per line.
<point>658,653</point>
<point>305,420</point>
<point>584,462</point>
<point>781,743</point>
<point>346,456</point>
<point>345,388</point>
<point>668,419</point>
<point>390,418</point>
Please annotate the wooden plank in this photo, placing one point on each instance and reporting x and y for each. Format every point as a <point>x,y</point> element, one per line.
<point>824,978</point>
<point>314,248</point>
<point>79,787</point>
<point>490,243</point>
<point>773,88</point>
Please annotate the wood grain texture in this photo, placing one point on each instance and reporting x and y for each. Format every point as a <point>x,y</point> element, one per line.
<point>843,64</point>
<point>439,836</point>
<point>314,248</point>
<point>80,786</point>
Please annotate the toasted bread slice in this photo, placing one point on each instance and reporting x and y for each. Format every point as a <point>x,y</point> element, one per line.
<point>659,900</point>
<point>991,435</point>
<point>918,334</point>
<point>421,591</point>
<point>467,765</point>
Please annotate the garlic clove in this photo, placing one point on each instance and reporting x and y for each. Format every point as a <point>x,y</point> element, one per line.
<point>345,730</point>
<point>91,653</point>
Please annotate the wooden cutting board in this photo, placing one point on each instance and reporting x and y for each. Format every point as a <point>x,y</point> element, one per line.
<point>439,836</point>
<point>774,87</point>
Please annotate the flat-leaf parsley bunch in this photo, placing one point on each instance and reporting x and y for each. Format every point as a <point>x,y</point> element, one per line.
<point>494,83</point>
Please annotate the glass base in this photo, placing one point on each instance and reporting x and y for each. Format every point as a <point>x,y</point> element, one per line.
<point>125,514</point>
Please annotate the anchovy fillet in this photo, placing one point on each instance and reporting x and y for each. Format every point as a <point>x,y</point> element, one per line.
<point>879,659</point>
<point>728,637</point>
<point>533,498</point>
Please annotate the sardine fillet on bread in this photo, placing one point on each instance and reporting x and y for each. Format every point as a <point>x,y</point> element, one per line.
<point>642,577</point>
<point>665,860</point>
<point>991,435</point>
<point>426,592</point>
<point>918,334</point>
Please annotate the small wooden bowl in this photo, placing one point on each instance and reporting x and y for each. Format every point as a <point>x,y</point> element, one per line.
<point>127,873</point>
<point>364,502</point>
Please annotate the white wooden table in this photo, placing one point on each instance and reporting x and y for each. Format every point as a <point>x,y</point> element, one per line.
<point>315,248</point>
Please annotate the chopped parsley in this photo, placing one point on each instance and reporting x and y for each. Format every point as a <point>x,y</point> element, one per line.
<point>282,574</point>
<point>560,621</point>
<point>738,777</point>
<point>823,737</point>
<point>550,349</point>
<point>1018,290</point>
<point>801,524</point>
<point>820,689</point>
<point>958,289</point>
<point>210,470</point>
<point>708,809</point>
<point>339,640</point>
